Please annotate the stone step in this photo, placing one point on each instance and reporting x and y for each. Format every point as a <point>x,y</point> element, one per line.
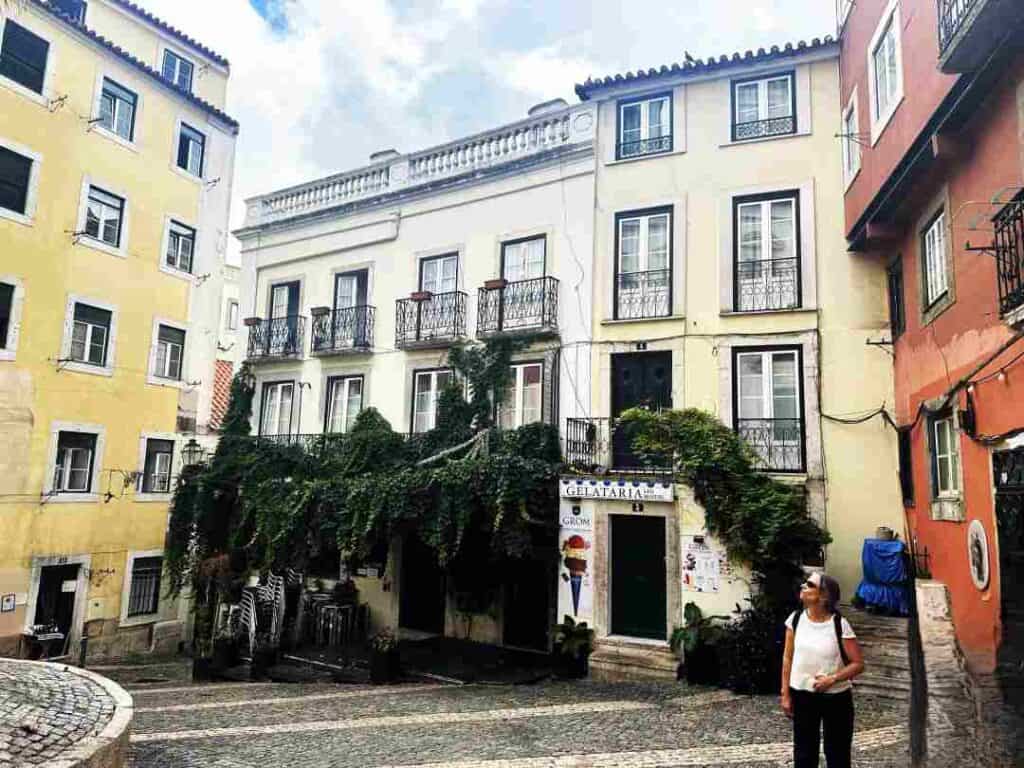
<point>615,660</point>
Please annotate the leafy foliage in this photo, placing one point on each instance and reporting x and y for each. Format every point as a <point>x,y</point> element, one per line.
<point>572,639</point>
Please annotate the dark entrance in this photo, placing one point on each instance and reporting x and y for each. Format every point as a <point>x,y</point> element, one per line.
<point>638,379</point>
<point>422,599</point>
<point>638,576</point>
<point>1008,471</point>
<point>55,606</point>
<point>527,605</point>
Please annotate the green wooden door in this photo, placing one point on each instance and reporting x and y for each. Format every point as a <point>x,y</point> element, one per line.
<point>638,576</point>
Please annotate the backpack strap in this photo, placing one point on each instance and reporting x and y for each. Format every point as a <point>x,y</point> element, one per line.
<point>796,619</point>
<point>837,621</point>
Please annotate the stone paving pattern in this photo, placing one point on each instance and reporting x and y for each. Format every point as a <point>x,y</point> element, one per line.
<point>45,710</point>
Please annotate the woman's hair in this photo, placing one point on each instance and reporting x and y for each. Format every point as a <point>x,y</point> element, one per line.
<point>830,588</point>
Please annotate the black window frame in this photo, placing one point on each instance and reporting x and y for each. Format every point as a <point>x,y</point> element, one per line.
<point>118,92</point>
<point>190,233</point>
<point>84,437</point>
<point>7,291</point>
<point>8,60</point>
<point>896,291</point>
<point>329,399</point>
<point>437,257</point>
<point>74,9</point>
<point>107,323</point>
<point>785,194</point>
<point>734,84</point>
<point>163,334</point>
<point>153,449</point>
<point>905,450</point>
<point>518,241</point>
<point>121,207</point>
<point>168,53</point>
<point>616,256</point>
<point>19,193</point>
<point>147,568</point>
<point>625,102</point>
<point>184,131</point>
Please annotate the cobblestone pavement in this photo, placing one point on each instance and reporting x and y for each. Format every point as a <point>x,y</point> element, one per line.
<point>44,711</point>
<point>427,725</point>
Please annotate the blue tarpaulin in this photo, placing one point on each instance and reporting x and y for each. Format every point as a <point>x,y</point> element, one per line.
<point>885,576</point>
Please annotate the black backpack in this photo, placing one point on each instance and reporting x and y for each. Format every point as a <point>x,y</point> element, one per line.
<point>837,622</point>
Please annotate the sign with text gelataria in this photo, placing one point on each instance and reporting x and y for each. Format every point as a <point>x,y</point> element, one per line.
<point>576,563</point>
<point>616,490</point>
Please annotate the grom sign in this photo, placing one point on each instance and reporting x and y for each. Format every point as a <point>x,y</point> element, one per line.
<point>615,490</point>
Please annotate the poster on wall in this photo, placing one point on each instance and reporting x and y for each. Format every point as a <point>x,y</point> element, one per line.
<point>576,571</point>
<point>703,567</point>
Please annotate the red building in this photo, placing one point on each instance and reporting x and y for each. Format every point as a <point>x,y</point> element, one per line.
<point>933,150</point>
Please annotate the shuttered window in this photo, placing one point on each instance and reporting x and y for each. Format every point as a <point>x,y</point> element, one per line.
<point>15,172</point>
<point>23,56</point>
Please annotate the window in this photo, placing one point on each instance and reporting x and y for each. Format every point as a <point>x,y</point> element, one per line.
<point>945,445</point>
<point>191,147</point>
<point>344,402</point>
<point>933,246</point>
<point>769,414</point>
<point>523,401</point>
<point>276,416</point>
<point>439,274</point>
<point>74,465</point>
<point>906,467</point>
<point>181,243</point>
<point>643,265</point>
<point>897,310</point>
<point>645,126</point>
<point>170,345</point>
<point>232,315</point>
<point>178,70</point>
<point>144,594</point>
<point>23,56</point>
<point>886,68</point>
<point>90,335</point>
<point>15,173</point>
<point>6,312</point>
<point>851,140</point>
<point>523,259</point>
<point>156,474</point>
<point>117,110</point>
<point>764,107</point>
<point>75,9</point>
<point>104,217</point>
<point>427,388</point>
<point>767,252</point>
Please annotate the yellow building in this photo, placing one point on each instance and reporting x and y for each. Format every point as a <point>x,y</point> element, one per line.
<point>115,169</point>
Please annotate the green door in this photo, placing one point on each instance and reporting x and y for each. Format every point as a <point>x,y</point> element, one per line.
<point>638,576</point>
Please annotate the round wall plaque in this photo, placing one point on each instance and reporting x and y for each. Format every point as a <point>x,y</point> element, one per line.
<point>977,554</point>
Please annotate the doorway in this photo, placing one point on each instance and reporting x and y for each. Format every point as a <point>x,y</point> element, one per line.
<point>1008,471</point>
<point>526,614</point>
<point>55,602</point>
<point>421,602</point>
<point>638,588</point>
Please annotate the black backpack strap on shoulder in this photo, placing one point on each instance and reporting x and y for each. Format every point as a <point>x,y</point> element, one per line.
<point>837,621</point>
<point>796,619</point>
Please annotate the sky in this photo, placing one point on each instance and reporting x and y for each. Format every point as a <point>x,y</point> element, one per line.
<point>318,85</point>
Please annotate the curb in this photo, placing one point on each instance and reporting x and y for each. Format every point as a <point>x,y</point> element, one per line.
<point>108,748</point>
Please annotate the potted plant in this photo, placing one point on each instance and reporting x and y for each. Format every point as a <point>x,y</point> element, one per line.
<point>695,643</point>
<point>495,283</point>
<point>573,646</point>
<point>384,658</point>
<point>420,295</point>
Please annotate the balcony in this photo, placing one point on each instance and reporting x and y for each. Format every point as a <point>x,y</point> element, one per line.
<point>278,337</point>
<point>599,445</point>
<point>1009,250</point>
<point>778,443</point>
<point>764,286</point>
<point>762,129</point>
<point>312,443</point>
<point>970,30</point>
<point>520,307</point>
<point>641,295</point>
<point>426,320</point>
<point>629,149</point>
<point>342,331</point>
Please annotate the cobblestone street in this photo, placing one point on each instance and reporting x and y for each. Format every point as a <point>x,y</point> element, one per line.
<point>549,725</point>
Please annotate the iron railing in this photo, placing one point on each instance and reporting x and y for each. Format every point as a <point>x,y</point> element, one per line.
<point>439,318</point>
<point>313,443</point>
<point>767,285</point>
<point>276,337</point>
<point>644,147</point>
<point>952,15</point>
<point>643,294</point>
<point>343,330</point>
<point>760,129</point>
<point>778,443</point>
<point>523,305</point>
<point>601,443</point>
<point>1009,248</point>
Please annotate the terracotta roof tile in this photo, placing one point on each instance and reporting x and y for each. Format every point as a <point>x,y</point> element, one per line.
<point>163,25</point>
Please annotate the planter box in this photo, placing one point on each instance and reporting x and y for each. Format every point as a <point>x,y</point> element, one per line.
<point>495,284</point>
<point>420,295</point>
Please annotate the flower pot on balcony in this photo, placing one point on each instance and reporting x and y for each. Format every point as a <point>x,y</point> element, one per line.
<point>496,284</point>
<point>420,295</point>
<point>317,311</point>
<point>251,321</point>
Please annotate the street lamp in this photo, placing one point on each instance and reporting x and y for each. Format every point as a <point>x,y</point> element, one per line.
<point>192,452</point>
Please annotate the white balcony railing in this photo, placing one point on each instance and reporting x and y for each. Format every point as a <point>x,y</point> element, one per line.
<point>508,144</point>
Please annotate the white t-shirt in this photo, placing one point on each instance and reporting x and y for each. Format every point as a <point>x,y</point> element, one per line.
<point>816,652</point>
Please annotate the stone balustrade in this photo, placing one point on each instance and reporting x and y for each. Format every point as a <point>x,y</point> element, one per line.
<point>537,135</point>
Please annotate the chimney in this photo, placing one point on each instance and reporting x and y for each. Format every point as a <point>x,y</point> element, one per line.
<point>555,105</point>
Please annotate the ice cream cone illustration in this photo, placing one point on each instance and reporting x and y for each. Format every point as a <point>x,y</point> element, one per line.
<point>574,550</point>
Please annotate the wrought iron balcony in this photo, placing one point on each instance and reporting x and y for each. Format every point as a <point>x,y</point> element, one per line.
<point>970,30</point>
<point>430,320</point>
<point>643,294</point>
<point>522,306</point>
<point>761,129</point>
<point>601,444</point>
<point>313,443</point>
<point>1009,248</point>
<point>767,285</point>
<point>627,149</point>
<point>276,337</point>
<point>779,443</point>
<point>341,331</point>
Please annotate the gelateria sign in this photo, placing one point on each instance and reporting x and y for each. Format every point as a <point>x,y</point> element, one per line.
<point>615,490</point>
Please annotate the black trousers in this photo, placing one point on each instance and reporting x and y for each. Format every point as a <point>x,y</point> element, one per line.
<point>811,711</point>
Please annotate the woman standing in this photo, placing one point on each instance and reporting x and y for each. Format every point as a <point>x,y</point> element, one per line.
<point>822,656</point>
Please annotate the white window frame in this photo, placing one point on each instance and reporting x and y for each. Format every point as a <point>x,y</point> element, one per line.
<point>156,496</point>
<point>162,56</point>
<point>851,147</point>
<point>12,85</point>
<point>152,377</point>
<point>264,390</point>
<point>767,358</point>
<point>517,394</point>
<point>431,414</point>
<point>948,487</point>
<point>118,104</point>
<point>56,427</point>
<point>935,250</point>
<point>344,381</point>
<point>644,104</point>
<point>122,80</point>
<point>32,195</point>
<point>891,19</point>
<point>231,322</point>
<point>87,241</point>
<point>126,589</point>
<point>171,224</point>
<point>67,363</point>
<point>10,350</point>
